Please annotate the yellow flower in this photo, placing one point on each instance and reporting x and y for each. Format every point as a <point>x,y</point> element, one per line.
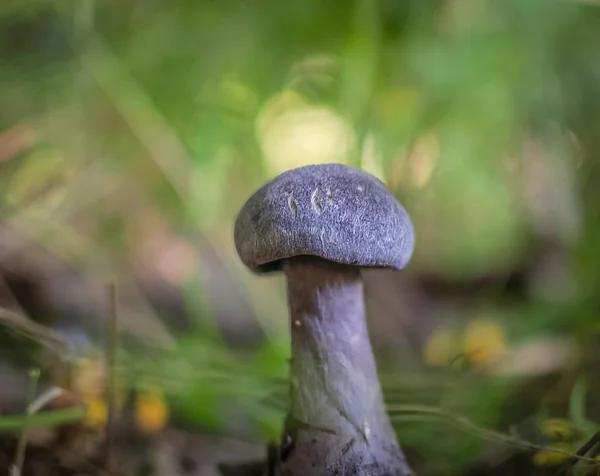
<point>552,455</point>
<point>484,342</point>
<point>151,412</point>
<point>97,412</point>
<point>557,428</point>
<point>441,348</point>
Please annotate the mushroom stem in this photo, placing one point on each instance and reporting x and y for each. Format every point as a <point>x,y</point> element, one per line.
<point>337,409</point>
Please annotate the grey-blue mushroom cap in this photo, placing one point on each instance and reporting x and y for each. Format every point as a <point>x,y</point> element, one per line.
<point>331,211</point>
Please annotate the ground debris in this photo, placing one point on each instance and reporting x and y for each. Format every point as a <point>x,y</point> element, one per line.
<point>41,461</point>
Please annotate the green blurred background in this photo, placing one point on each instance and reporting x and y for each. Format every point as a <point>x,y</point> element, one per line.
<point>132,131</point>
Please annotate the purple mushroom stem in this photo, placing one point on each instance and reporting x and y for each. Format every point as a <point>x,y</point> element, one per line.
<point>320,225</point>
<point>333,372</point>
<point>335,390</point>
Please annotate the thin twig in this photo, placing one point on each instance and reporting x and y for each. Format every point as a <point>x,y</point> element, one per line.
<point>34,376</point>
<point>593,441</point>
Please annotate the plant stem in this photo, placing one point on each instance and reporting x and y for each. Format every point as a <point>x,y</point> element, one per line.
<point>34,376</point>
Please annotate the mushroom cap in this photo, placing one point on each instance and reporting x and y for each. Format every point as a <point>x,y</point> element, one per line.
<point>332,211</point>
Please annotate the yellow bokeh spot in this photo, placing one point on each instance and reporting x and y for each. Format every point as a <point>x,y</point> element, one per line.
<point>422,160</point>
<point>276,106</point>
<point>97,412</point>
<point>441,348</point>
<point>151,411</point>
<point>484,342</point>
<point>557,428</point>
<point>552,455</point>
<point>293,133</point>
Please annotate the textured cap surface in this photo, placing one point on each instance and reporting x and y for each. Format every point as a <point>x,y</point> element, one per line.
<point>332,211</point>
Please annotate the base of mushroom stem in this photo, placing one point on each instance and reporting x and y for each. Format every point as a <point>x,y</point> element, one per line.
<point>319,453</point>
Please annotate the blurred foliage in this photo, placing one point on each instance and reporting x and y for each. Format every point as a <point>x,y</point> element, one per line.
<point>123,122</point>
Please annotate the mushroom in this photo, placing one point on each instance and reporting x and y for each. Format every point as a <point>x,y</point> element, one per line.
<point>320,224</point>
